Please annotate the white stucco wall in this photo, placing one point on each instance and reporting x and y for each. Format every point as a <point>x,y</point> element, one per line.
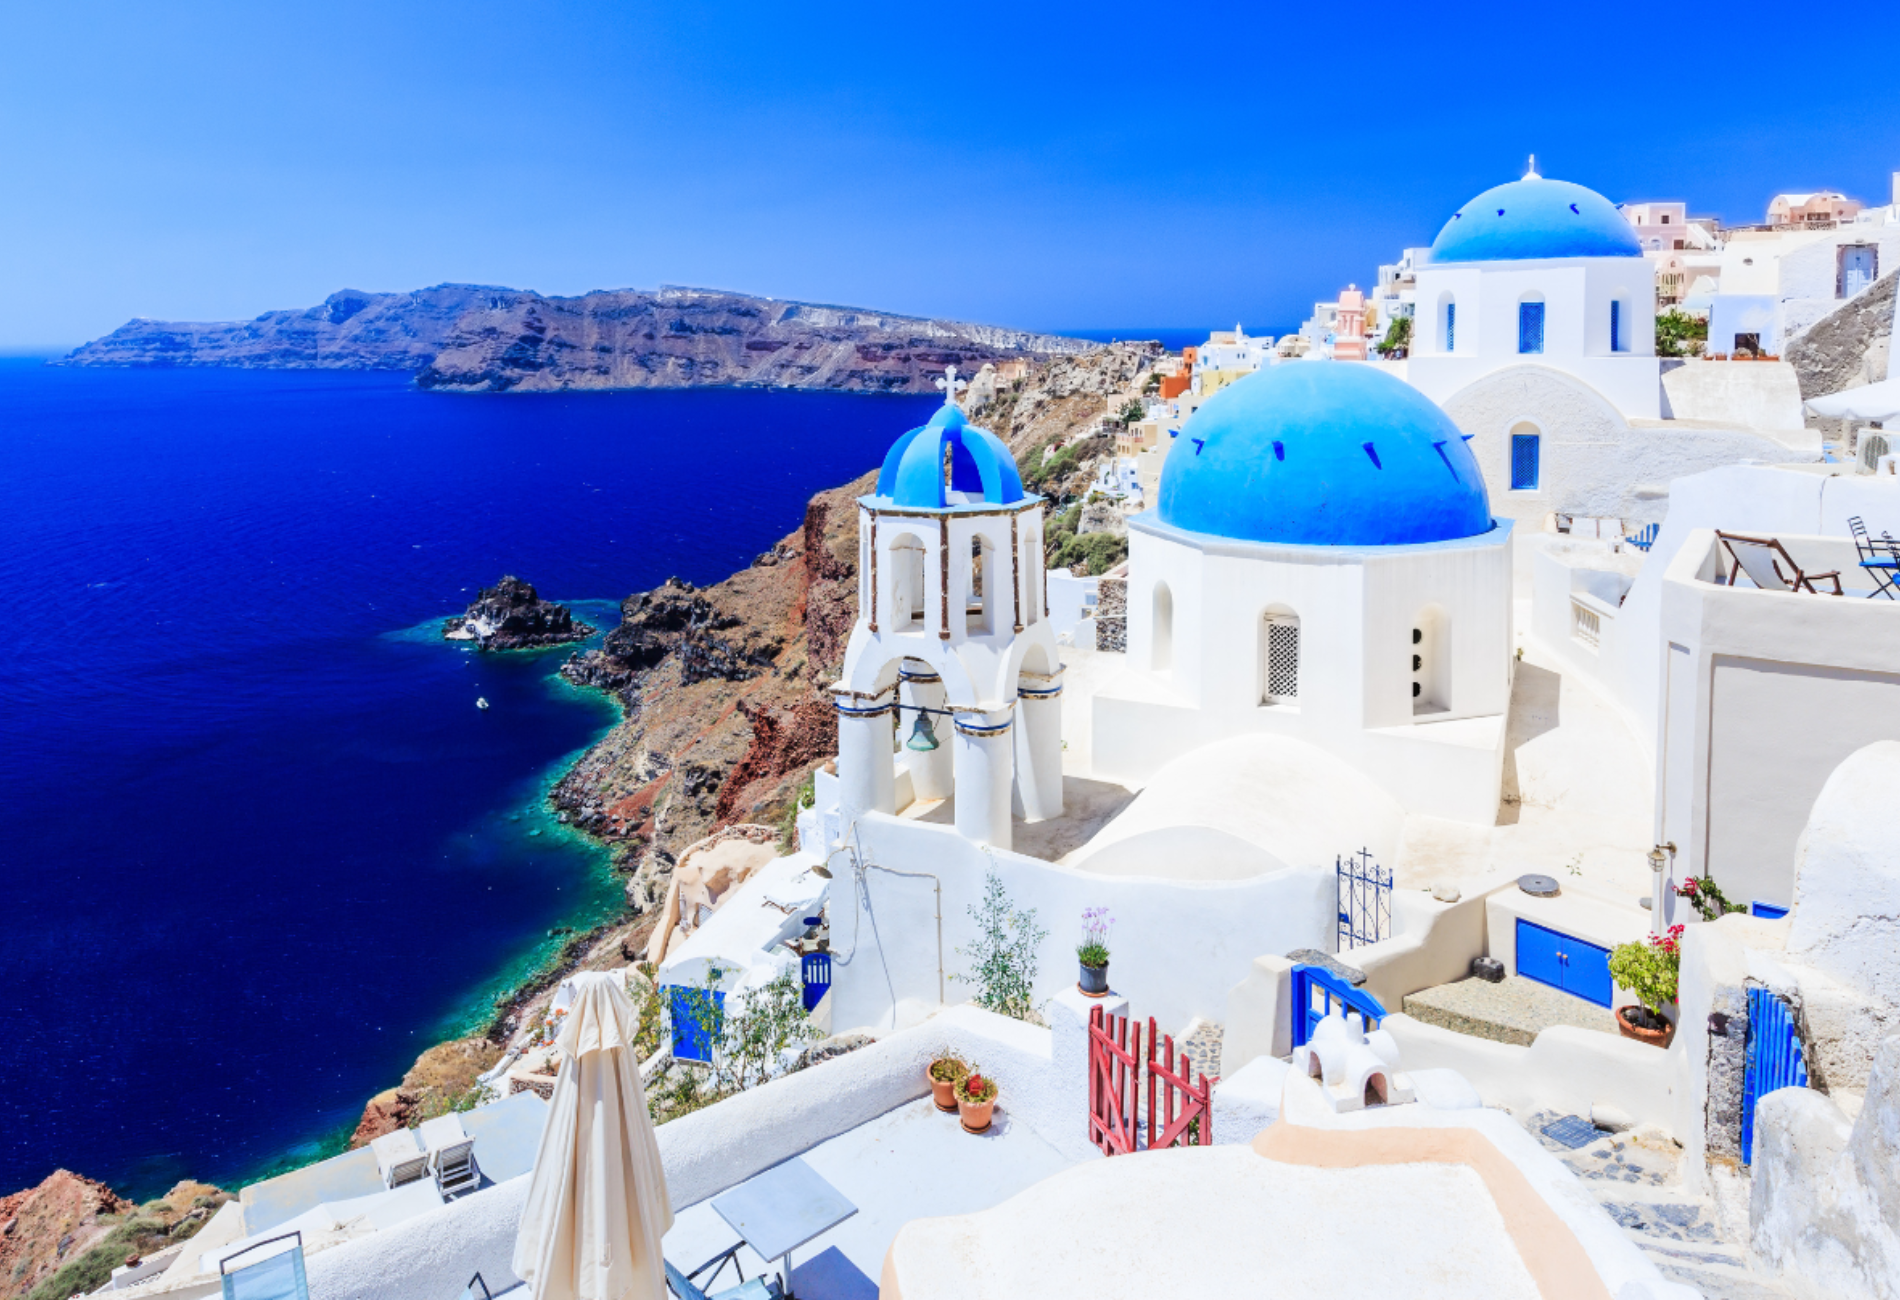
<point>1629,667</point>
<point>1824,1204</point>
<point>1177,946</point>
<point>1763,395</point>
<point>1197,675</point>
<point>433,1254</point>
<point>1577,293</point>
<point>1592,460</point>
<point>1767,693</point>
<point>1846,921</point>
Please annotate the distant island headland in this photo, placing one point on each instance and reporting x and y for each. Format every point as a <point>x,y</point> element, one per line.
<point>483,339</point>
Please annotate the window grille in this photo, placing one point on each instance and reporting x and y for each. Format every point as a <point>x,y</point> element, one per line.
<point>1524,462</point>
<point>1530,327</point>
<point>1585,625</point>
<point>1451,327</point>
<point>1283,658</point>
<point>1616,326</point>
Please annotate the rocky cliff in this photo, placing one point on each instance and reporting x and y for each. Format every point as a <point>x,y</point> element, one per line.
<point>724,687</point>
<point>65,1236</point>
<point>474,338</point>
<point>511,616</point>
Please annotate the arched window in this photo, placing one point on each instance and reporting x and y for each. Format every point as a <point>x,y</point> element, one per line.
<point>906,560</point>
<point>1030,597</point>
<point>1618,343</point>
<point>984,581</point>
<point>1530,323</point>
<point>1279,657</point>
<point>1161,633</point>
<point>1526,457</point>
<point>1450,315</point>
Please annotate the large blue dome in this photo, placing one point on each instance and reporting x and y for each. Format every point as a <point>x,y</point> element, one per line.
<point>1323,453</point>
<point>981,470</point>
<point>1535,217</point>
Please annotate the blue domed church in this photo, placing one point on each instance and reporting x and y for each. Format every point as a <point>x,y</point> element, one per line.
<point>1323,564</point>
<point>1539,273</point>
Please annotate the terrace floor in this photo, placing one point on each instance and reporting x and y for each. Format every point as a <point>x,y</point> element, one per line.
<point>909,1163</point>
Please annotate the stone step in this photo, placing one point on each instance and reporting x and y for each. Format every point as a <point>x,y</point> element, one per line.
<point>1514,1010</point>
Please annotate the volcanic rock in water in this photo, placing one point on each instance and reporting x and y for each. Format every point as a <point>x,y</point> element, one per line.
<point>509,616</point>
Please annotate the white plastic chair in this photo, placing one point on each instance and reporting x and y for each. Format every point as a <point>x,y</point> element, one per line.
<point>399,1158</point>
<point>451,1155</point>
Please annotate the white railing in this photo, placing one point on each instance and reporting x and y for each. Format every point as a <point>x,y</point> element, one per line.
<point>1585,625</point>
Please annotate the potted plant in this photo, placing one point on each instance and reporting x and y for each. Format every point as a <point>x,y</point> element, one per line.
<point>944,1072</point>
<point>1648,968</point>
<point>976,1098</point>
<point>1092,952</point>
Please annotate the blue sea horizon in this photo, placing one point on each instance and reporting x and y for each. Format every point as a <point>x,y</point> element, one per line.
<point>258,847</point>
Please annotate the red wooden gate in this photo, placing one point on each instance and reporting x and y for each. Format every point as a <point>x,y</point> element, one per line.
<point>1178,1109</point>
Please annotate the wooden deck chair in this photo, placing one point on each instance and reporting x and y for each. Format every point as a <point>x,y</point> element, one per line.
<point>451,1155</point>
<point>1769,566</point>
<point>399,1158</point>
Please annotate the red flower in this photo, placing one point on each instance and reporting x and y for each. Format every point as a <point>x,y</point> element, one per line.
<point>973,1084</point>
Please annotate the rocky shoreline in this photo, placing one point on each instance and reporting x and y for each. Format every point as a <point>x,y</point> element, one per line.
<point>724,715</point>
<point>511,616</point>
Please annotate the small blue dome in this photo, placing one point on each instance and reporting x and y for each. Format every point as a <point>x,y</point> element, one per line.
<point>1323,453</point>
<point>1535,217</point>
<point>981,467</point>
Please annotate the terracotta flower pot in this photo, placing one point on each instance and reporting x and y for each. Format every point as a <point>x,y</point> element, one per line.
<point>975,1115</point>
<point>1654,1037</point>
<point>943,1092</point>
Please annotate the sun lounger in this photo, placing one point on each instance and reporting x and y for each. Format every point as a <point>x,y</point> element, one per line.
<point>1769,566</point>
<point>399,1158</point>
<point>451,1155</point>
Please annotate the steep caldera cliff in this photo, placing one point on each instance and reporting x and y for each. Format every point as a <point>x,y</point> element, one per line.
<point>723,687</point>
<point>472,338</point>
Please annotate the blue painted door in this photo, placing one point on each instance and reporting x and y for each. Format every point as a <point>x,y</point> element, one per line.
<point>1564,962</point>
<point>696,1025</point>
<point>1775,1059</point>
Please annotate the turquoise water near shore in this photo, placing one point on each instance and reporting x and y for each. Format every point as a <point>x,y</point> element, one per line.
<point>258,847</point>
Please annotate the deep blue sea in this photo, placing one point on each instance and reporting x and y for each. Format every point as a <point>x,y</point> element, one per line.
<point>258,846</point>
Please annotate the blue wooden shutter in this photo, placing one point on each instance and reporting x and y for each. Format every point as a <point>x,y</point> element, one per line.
<point>1775,1059</point>
<point>1523,462</point>
<point>1530,327</point>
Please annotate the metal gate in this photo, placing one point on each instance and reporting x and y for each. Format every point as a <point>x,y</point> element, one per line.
<point>1775,1060</point>
<point>1179,1104</point>
<point>1364,894</point>
<point>1315,989</point>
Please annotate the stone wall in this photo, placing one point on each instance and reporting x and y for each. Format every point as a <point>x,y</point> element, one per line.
<point>1111,615</point>
<point>1848,348</point>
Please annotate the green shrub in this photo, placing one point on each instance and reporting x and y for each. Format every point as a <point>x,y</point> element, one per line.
<point>1004,954</point>
<point>1648,968</point>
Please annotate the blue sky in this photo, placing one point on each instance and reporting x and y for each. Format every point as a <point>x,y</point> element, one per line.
<point>1078,166</point>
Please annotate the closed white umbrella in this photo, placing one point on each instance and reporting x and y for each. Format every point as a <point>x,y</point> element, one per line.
<point>1879,402</point>
<point>597,1206</point>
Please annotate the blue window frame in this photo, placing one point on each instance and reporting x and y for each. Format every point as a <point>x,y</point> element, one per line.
<point>1616,326</point>
<point>1530,327</point>
<point>1451,327</point>
<point>1524,462</point>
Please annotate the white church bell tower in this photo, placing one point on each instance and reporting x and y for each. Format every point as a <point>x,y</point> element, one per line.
<point>951,683</point>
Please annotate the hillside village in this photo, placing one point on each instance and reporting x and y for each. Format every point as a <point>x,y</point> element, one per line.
<point>1432,770</point>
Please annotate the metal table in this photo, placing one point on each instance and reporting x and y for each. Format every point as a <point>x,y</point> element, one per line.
<point>781,1209</point>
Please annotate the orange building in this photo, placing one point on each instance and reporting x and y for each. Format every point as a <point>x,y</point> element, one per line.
<point>1172,386</point>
